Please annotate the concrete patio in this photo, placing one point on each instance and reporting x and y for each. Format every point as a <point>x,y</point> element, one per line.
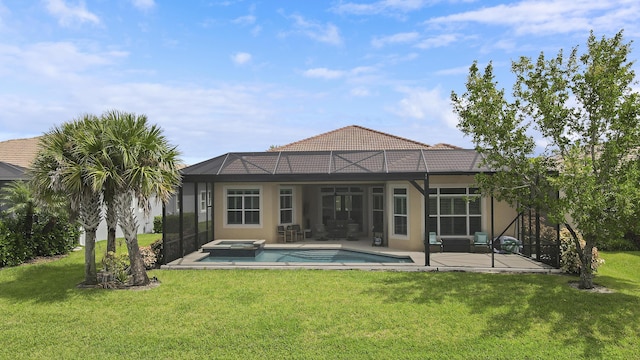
<point>469,262</point>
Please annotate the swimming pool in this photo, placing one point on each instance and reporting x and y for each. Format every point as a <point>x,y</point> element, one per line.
<point>312,256</point>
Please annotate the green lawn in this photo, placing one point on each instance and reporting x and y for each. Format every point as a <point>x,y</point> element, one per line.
<point>311,314</point>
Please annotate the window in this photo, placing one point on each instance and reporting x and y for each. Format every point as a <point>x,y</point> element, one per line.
<point>203,201</point>
<point>243,206</point>
<point>400,212</point>
<point>454,211</point>
<point>286,206</point>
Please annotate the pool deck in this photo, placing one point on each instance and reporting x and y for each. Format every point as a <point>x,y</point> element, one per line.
<point>447,261</point>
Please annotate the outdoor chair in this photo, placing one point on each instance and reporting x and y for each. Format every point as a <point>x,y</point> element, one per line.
<point>294,232</point>
<point>434,243</point>
<point>282,234</point>
<point>481,242</point>
<point>297,231</point>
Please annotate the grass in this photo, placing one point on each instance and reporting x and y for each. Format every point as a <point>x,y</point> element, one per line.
<point>311,314</point>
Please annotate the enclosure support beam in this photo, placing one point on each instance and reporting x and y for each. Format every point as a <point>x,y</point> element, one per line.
<point>427,247</point>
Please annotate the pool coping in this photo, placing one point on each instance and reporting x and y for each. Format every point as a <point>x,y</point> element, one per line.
<point>464,262</point>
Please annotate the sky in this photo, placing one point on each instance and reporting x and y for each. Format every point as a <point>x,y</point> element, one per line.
<point>223,76</point>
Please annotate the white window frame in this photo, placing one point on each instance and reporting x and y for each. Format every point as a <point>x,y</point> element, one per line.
<point>280,209</point>
<point>226,190</point>
<point>202,201</point>
<point>467,216</point>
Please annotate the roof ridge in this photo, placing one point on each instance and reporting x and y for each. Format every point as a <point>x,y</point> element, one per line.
<point>347,128</point>
<point>393,136</point>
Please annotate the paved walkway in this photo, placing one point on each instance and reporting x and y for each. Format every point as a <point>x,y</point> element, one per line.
<point>469,262</point>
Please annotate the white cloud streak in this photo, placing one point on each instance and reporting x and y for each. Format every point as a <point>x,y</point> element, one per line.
<point>71,15</point>
<point>54,60</point>
<point>329,74</point>
<point>381,7</point>
<point>326,33</point>
<point>241,58</point>
<point>400,38</point>
<point>425,104</point>
<point>551,16</point>
<point>437,41</point>
<point>144,4</point>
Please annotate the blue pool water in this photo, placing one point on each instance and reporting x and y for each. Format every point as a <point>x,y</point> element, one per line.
<point>312,256</point>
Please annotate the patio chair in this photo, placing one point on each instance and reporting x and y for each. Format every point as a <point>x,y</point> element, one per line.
<point>282,234</point>
<point>481,241</point>
<point>434,243</point>
<point>297,232</point>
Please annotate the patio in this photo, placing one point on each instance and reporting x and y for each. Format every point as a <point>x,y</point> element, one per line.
<point>445,261</point>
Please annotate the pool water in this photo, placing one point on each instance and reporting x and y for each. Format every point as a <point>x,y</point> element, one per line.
<point>312,256</point>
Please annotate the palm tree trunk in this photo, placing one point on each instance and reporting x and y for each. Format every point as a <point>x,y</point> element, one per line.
<point>129,225</point>
<point>90,272</point>
<point>112,223</point>
<point>90,216</point>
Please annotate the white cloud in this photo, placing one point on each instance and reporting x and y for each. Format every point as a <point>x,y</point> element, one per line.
<point>144,4</point>
<point>325,33</point>
<point>54,60</point>
<point>399,38</point>
<point>425,104</point>
<point>324,73</point>
<point>380,7</point>
<point>460,70</point>
<point>241,58</point>
<point>360,92</point>
<point>329,74</point>
<point>437,41</point>
<point>244,20</point>
<point>552,16</point>
<point>69,15</point>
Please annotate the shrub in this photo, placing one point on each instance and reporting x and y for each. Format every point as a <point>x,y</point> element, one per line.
<point>157,224</point>
<point>49,236</point>
<point>14,249</point>
<point>569,258</point>
<point>116,266</point>
<point>148,257</point>
<point>54,236</point>
<point>156,246</point>
<point>618,245</point>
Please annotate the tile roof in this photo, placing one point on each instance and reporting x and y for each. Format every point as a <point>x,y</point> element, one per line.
<point>314,165</point>
<point>19,152</point>
<point>356,138</point>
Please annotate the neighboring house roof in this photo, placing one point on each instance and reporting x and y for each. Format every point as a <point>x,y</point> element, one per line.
<point>357,138</point>
<point>19,152</point>
<point>10,172</point>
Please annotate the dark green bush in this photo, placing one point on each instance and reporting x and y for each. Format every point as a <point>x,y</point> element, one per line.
<point>617,245</point>
<point>54,236</point>
<point>157,224</point>
<point>49,236</point>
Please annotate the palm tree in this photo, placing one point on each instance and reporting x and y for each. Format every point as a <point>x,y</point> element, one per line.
<point>19,202</point>
<point>61,167</point>
<point>145,167</point>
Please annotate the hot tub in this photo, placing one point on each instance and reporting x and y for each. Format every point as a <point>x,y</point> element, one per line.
<point>234,248</point>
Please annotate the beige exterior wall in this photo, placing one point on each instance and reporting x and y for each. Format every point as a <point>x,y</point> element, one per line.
<point>270,215</point>
<point>414,241</point>
<point>306,198</point>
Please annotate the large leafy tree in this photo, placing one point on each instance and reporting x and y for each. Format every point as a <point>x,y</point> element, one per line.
<point>583,107</point>
<point>62,167</point>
